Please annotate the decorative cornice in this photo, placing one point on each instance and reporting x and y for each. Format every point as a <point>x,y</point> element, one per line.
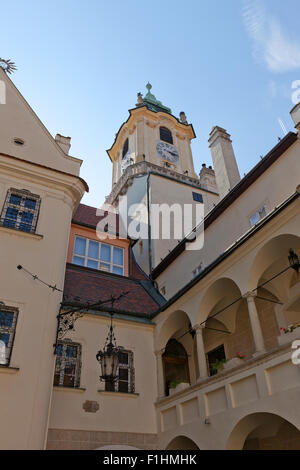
<point>143,168</point>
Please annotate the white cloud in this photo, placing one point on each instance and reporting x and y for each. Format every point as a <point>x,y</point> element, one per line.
<point>277,89</point>
<point>270,44</point>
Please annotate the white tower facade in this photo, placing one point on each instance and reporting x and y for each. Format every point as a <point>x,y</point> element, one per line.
<point>153,165</point>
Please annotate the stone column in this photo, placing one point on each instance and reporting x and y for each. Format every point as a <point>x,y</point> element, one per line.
<point>202,363</point>
<point>255,324</point>
<point>160,374</point>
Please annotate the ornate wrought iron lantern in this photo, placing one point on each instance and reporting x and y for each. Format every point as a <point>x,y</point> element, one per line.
<point>294,260</point>
<point>109,357</point>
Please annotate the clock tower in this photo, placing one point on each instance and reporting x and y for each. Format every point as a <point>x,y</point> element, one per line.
<point>153,165</point>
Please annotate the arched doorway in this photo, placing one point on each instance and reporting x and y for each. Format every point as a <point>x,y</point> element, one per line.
<point>175,363</point>
<point>182,443</point>
<point>264,431</point>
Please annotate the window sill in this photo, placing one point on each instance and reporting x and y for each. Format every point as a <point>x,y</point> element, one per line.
<point>61,388</point>
<point>119,394</point>
<point>14,231</point>
<point>9,369</point>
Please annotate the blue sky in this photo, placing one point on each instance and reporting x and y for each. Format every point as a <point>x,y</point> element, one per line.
<point>228,63</point>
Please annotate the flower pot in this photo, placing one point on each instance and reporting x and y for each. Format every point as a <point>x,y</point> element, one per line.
<point>179,388</point>
<point>287,338</point>
<point>234,362</point>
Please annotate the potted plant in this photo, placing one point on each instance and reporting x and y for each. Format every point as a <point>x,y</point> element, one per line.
<point>177,386</point>
<point>289,334</point>
<point>218,365</point>
<point>290,328</point>
<point>234,361</point>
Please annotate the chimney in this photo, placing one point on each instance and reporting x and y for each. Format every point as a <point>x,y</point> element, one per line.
<point>63,142</point>
<point>207,178</point>
<point>295,114</point>
<point>225,166</point>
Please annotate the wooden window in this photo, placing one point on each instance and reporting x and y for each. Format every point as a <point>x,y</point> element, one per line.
<point>166,135</point>
<point>96,255</point>
<point>20,210</point>
<point>125,381</point>
<point>8,321</point>
<point>175,362</point>
<point>216,355</point>
<point>68,364</point>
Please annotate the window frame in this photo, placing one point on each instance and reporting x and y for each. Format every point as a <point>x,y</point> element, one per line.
<point>125,148</point>
<point>171,141</point>
<point>114,387</point>
<point>64,361</point>
<point>9,330</point>
<point>86,256</point>
<point>214,350</point>
<point>263,207</point>
<point>24,194</point>
<point>197,197</point>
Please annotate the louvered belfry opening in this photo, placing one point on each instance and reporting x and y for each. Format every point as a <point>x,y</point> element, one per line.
<point>165,135</point>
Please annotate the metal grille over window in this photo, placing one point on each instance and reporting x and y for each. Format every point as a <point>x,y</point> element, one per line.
<point>166,135</point>
<point>68,364</point>
<point>125,381</point>
<point>96,255</point>
<point>8,321</point>
<point>20,210</point>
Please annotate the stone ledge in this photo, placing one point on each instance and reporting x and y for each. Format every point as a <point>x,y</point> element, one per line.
<point>9,369</point>
<point>13,231</point>
<point>61,388</point>
<point>118,394</point>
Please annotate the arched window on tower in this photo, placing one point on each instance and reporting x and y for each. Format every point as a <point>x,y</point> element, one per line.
<point>125,148</point>
<point>166,135</point>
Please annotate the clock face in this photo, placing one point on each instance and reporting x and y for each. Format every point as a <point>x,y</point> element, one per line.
<point>167,152</point>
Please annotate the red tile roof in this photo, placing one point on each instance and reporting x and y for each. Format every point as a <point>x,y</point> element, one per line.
<point>86,215</point>
<point>88,285</point>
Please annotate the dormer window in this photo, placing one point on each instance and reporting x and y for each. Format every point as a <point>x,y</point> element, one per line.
<point>258,215</point>
<point>166,135</point>
<point>125,148</point>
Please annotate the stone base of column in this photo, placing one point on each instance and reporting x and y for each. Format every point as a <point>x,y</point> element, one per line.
<point>259,353</point>
<point>202,379</point>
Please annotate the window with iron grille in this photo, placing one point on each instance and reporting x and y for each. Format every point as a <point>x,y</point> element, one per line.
<point>125,381</point>
<point>20,210</point>
<point>68,364</point>
<point>8,321</point>
<point>166,135</point>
